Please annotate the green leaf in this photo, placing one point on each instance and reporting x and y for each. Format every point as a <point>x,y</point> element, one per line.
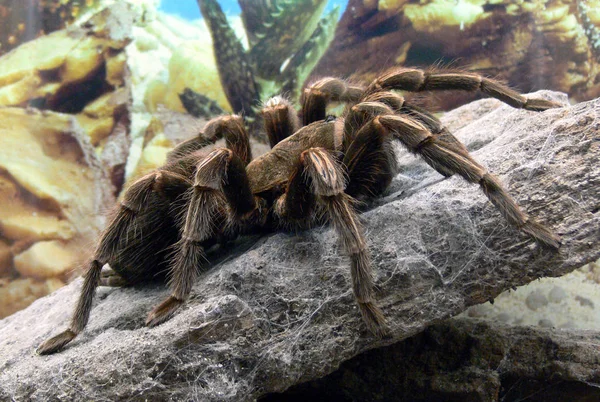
<point>304,61</point>
<point>236,73</point>
<point>283,33</point>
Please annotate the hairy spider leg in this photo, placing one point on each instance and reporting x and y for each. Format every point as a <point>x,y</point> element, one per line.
<point>384,102</point>
<point>111,245</point>
<point>319,94</point>
<point>280,119</point>
<point>296,207</point>
<point>319,179</point>
<point>220,175</point>
<point>236,138</point>
<point>189,146</point>
<point>416,80</point>
<point>109,277</point>
<point>362,114</point>
<point>444,156</point>
<point>228,127</point>
<point>369,157</point>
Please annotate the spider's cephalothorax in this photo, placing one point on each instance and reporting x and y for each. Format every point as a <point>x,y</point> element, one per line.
<point>316,167</point>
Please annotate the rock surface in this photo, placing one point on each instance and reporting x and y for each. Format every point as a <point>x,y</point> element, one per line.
<point>278,310</point>
<point>467,360</point>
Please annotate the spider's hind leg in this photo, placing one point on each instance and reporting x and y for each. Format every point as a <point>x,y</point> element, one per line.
<point>110,246</point>
<point>230,127</point>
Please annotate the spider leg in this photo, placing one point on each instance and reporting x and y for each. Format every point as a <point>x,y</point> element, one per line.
<point>189,146</point>
<point>448,158</point>
<point>322,176</point>
<point>370,162</point>
<point>81,315</point>
<point>109,277</point>
<point>230,127</point>
<point>280,119</point>
<point>296,206</point>
<point>236,138</point>
<point>108,249</point>
<point>371,105</point>
<point>318,94</point>
<point>416,80</point>
<point>221,173</point>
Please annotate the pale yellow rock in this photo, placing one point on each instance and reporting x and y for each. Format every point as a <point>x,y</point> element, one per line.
<point>153,155</point>
<point>34,225</point>
<point>42,67</point>
<point>45,259</point>
<point>97,128</point>
<point>593,12</point>
<point>100,107</point>
<point>24,219</point>
<point>53,185</point>
<point>552,15</point>
<point>97,118</point>
<point>193,66</point>
<point>115,66</point>
<point>105,105</point>
<point>45,155</point>
<point>5,259</point>
<point>45,53</point>
<point>82,60</point>
<point>20,293</point>
<point>439,14</point>
<point>34,166</point>
<point>155,95</point>
<point>146,42</point>
<point>47,89</point>
<point>566,26</point>
<point>20,91</point>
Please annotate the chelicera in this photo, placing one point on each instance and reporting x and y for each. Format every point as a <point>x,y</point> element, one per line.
<point>317,167</point>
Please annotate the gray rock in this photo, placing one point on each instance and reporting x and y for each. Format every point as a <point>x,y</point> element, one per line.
<point>278,310</point>
<point>536,300</point>
<point>584,301</point>
<point>545,323</point>
<point>557,294</point>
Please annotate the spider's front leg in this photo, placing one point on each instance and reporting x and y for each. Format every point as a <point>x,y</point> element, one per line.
<point>230,127</point>
<point>318,183</point>
<point>220,175</point>
<point>416,80</point>
<point>320,93</point>
<point>280,119</point>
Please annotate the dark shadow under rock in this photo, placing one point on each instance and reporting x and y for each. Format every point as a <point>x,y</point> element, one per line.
<point>466,360</point>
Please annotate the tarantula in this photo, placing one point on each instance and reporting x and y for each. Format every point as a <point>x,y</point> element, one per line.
<point>168,218</point>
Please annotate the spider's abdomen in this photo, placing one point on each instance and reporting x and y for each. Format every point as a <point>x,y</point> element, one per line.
<point>142,253</point>
<point>275,167</point>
